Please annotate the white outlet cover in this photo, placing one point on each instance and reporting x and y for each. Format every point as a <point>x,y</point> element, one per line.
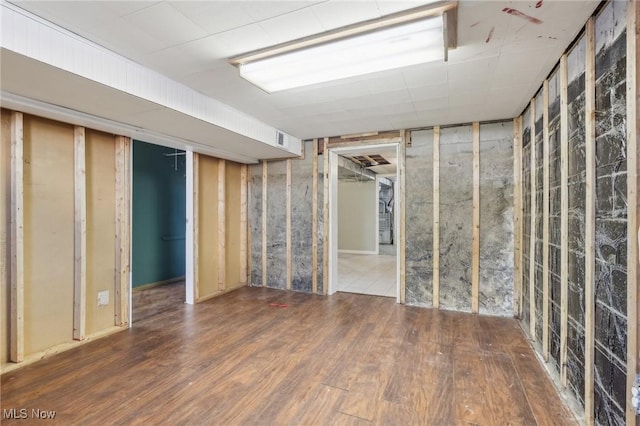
<point>103,298</point>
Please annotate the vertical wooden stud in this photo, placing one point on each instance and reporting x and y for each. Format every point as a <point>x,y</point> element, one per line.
<point>564,218</point>
<point>196,226</point>
<point>517,216</point>
<point>288,224</point>
<point>17,238</point>
<point>475,252</point>
<point>405,138</point>
<point>244,244</point>
<point>532,239</point>
<point>325,214</point>
<point>436,217</point>
<point>314,220</point>
<point>633,201</point>
<point>590,222</point>
<point>80,234</point>
<point>545,221</point>
<point>222,239</point>
<point>264,222</point>
<point>123,197</point>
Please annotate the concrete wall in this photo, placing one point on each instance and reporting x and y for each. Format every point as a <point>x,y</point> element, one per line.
<point>456,186</point>
<point>456,212</point>
<point>610,307</point>
<point>611,216</point>
<point>302,232</point>
<point>357,214</point>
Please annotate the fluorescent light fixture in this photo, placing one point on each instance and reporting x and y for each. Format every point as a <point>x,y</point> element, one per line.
<point>399,40</point>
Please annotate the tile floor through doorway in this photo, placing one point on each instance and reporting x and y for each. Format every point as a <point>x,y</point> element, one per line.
<point>367,274</point>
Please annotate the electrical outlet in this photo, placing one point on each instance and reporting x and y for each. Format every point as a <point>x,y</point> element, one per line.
<point>635,395</point>
<point>103,298</point>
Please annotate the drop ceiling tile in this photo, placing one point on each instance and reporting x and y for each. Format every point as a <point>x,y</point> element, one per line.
<point>335,13</point>
<point>425,74</point>
<point>166,23</point>
<point>432,104</point>
<point>266,9</point>
<point>387,7</point>
<point>292,26</point>
<point>430,92</point>
<point>238,41</point>
<point>122,8</point>
<point>215,16</point>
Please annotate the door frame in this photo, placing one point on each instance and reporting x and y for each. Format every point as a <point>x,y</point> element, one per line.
<point>333,209</point>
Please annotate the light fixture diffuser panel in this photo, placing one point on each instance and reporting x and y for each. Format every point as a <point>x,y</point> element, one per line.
<point>390,48</point>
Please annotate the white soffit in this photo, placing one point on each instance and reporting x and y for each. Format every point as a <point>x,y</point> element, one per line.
<point>43,62</point>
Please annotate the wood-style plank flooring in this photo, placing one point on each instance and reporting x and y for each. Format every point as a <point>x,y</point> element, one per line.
<point>262,356</point>
<point>156,300</point>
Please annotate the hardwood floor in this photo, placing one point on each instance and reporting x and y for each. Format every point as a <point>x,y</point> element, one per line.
<point>262,356</point>
<point>156,300</point>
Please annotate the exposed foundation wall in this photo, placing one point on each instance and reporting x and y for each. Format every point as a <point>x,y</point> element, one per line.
<point>454,184</point>
<point>580,297</point>
<point>274,239</point>
<point>66,241</point>
<point>494,201</point>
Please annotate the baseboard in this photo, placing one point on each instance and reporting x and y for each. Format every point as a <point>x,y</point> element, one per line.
<point>158,283</point>
<point>357,252</point>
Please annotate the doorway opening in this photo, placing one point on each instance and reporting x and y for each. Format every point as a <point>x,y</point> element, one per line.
<point>363,224</point>
<point>158,258</point>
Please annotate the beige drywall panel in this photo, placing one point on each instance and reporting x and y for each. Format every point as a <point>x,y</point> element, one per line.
<point>207,226</point>
<point>101,229</point>
<point>48,233</point>
<point>357,211</point>
<point>5,231</point>
<point>232,222</point>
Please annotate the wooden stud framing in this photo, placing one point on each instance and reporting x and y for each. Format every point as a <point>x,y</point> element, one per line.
<point>264,222</point>
<point>17,238</point>
<point>590,222</point>
<point>436,217</point>
<point>405,136</point>
<point>325,214</point>
<point>288,224</point>
<point>123,181</point>
<point>475,252</point>
<point>314,221</point>
<point>532,239</point>
<point>222,239</point>
<point>545,221</point>
<point>517,215</point>
<point>564,219</point>
<point>80,235</point>
<point>196,226</point>
<point>633,201</point>
<point>244,244</point>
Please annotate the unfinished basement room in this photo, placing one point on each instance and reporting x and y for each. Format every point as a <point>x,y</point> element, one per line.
<point>319,212</point>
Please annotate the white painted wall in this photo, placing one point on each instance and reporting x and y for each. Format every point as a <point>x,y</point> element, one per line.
<point>357,213</point>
